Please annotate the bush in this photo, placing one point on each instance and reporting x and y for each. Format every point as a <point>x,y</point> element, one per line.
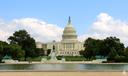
<point>121,59</point>
<point>72,58</point>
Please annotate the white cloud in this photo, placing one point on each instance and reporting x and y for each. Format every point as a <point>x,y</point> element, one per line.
<point>106,26</point>
<point>38,29</point>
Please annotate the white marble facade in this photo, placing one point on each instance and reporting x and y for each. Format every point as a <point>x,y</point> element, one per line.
<point>69,45</point>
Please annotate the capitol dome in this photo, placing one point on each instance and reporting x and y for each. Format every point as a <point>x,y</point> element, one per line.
<point>69,33</point>
<point>68,46</point>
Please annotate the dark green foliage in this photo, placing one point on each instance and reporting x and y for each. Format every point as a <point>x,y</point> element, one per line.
<point>48,51</point>
<point>120,59</point>
<point>23,39</point>
<point>92,48</point>
<point>126,52</point>
<point>113,42</point>
<point>14,51</point>
<point>39,52</point>
<point>113,53</point>
<point>2,47</point>
<point>81,52</point>
<point>75,58</point>
<point>72,58</point>
<point>110,47</point>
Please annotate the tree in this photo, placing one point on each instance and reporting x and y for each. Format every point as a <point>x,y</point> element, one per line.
<point>94,47</point>
<point>39,52</point>
<point>81,52</point>
<point>126,52</point>
<point>48,51</point>
<point>14,51</point>
<point>112,54</point>
<point>113,42</point>
<point>2,46</point>
<point>23,39</point>
<point>91,48</point>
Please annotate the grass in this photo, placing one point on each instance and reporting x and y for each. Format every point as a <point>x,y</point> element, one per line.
<point>72,58</point>
<point>67,58</point>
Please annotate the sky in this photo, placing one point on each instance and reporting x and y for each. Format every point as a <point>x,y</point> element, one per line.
<point>46,19</point>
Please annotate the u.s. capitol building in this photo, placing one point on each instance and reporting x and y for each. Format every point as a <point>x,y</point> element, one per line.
<point>68,46</point>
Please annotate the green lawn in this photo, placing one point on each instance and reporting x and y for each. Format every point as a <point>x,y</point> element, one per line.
<point>67,58</point>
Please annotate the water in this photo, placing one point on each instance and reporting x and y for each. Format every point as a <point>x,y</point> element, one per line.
<point>65,67</point>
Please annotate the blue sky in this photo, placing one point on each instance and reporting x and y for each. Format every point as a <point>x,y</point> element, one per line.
<point>45,19</point>
<point>82,12</point>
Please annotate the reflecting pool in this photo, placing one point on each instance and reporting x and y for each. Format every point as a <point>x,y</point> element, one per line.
<point>64,67</point>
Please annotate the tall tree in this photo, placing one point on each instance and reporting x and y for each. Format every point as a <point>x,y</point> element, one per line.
<point>23,39</point>
<point>95,47</point>
<point>113,42</point>
<point>112,54</point>
<point>91,48</point>
<point>14,51</point>
<point>2,46</point>
<point>126,52</point>
<point>39,52</point>
<point>48,51</point>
